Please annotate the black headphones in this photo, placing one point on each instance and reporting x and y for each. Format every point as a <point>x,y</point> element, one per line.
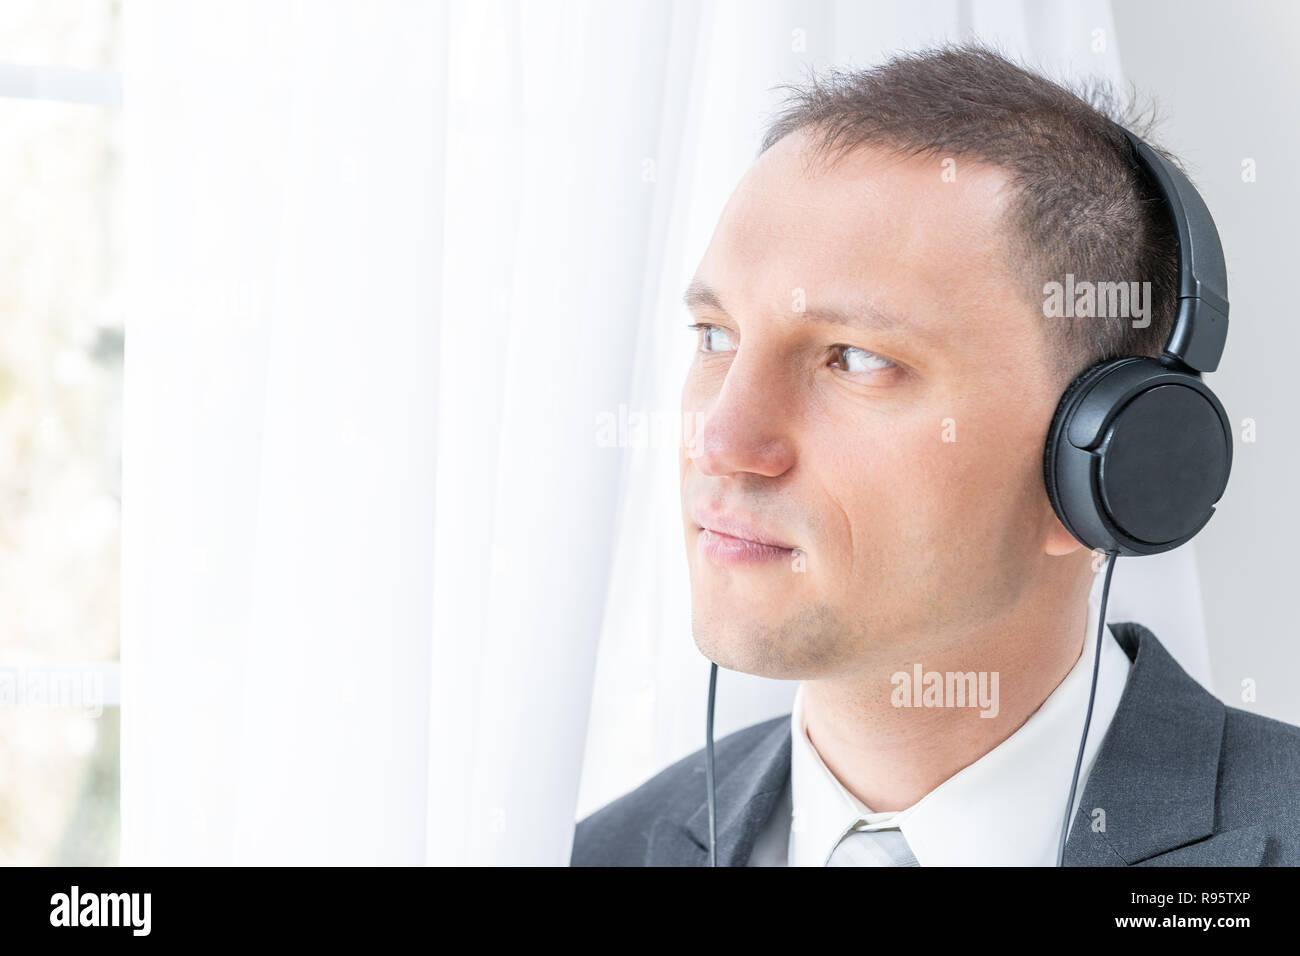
<point>1139,449</point>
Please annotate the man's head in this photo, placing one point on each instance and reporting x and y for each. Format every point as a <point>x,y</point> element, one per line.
<point>877,374</point>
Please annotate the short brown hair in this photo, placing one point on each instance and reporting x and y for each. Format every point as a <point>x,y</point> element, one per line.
<point>1082,207</point>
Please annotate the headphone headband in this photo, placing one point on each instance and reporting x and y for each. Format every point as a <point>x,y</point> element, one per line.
<point>1201,325</point>
<point>1140,449</point>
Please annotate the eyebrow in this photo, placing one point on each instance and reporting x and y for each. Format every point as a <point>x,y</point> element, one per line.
<point>867,315</point>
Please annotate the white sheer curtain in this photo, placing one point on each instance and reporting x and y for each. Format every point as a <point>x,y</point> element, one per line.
<point>398,272</point>
<point>285,229</point>
<point>554,109</point>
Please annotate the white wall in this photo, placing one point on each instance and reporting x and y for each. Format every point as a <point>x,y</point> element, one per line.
<point>1226,79</point>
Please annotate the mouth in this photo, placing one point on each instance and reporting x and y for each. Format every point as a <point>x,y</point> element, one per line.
<point>727,549</point>
<point>731,539</point>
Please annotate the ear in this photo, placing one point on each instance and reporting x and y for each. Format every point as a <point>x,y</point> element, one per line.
<point>1057,542</point>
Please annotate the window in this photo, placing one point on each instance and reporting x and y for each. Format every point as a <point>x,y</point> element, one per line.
<point>61,348</point>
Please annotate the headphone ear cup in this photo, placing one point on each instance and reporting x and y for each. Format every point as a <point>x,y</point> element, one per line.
<point>1060,418</point>
<point>1137,455</point>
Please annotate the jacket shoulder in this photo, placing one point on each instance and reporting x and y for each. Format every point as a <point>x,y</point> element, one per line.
<point>1258,765</point>
<point>1259,780</point>
<point>618,834</point>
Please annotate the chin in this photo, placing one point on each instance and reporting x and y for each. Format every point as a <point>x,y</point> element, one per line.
<point>797,648</point>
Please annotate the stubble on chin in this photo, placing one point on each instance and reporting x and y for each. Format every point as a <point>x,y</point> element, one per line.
<point>810,643</point>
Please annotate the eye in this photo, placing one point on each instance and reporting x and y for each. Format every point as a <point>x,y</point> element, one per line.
<point>854,359</point>
<point>713,338</point>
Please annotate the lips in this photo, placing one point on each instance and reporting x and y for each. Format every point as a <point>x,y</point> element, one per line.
<point>723,549</point>
<point>737,526</point>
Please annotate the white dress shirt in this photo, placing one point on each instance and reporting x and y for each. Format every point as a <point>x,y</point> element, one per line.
<point>1005,809</point>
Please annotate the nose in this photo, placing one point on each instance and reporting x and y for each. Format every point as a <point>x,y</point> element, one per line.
<point>746,426</point>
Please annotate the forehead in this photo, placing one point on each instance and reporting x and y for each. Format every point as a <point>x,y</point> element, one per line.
<point>912,234</point>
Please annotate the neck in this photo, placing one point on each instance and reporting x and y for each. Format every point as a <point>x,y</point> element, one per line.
<point>889,753</point>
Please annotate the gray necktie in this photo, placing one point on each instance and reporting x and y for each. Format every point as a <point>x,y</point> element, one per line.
<point>872,848</point>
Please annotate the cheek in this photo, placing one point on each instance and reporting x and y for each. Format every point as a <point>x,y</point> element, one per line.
<point>924,485</point>
<point>972,478</point>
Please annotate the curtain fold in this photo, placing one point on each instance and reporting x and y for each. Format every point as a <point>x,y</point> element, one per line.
<point>555,111</point>
<point>284,221</point>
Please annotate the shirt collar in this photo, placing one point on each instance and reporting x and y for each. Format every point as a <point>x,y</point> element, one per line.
<point>1005,809</point>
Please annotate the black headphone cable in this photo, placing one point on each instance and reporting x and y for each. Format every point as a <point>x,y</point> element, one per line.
<point>1092,694</point>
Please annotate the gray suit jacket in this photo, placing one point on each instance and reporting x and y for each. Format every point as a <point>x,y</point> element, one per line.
<point>1184,781</point>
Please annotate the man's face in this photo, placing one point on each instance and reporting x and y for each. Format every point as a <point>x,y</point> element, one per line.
<point>873,397</point>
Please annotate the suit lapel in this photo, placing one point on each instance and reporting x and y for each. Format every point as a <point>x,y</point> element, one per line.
<point>746,795</point>
<point>1242,847</point>
<point>1156,772</point>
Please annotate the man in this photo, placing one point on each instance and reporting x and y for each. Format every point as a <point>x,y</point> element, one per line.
<point>864,504</point>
